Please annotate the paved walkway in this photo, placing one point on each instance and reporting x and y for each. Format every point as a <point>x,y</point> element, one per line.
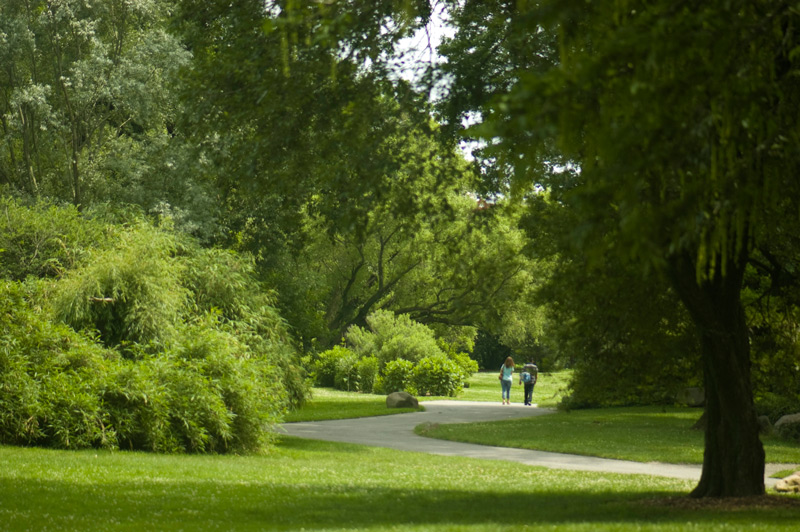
<point>397,432</point>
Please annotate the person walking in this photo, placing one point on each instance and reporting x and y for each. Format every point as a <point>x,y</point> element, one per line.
<point>528,377</point>
<point>506,372</point>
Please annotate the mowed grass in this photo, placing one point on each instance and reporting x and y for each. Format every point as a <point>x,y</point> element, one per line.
<point>312,485</point>
<point>309,485</point>
<point>548,392</point>
<point>643,434</point>
<point>327,403</point>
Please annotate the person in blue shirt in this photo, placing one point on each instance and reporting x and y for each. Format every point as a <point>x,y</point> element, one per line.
<point>506,372</point>
<point>528,377</point>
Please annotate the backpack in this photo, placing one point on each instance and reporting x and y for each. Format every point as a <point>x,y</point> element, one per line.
<point>526,377</point>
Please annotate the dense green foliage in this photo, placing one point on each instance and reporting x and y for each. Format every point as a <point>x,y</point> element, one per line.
<point>626,335</point>
<point>87,99</point>
<point>669,130</point>
<point>138,339</point>
<point>393,354</point>
<point>63,389</point>
<point>44,240</point>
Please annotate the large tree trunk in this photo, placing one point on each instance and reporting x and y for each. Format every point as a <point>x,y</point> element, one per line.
<point>733,462</point>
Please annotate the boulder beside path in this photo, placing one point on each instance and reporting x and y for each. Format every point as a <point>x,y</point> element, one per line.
<point>401,400</point>
<point>790,484</point>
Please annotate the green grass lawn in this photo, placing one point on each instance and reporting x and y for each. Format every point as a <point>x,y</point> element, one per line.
<point>644,434</point>
<point>548,392</point>
<point>328,403</point>
<point>312,485</point>
<point>308,485</point>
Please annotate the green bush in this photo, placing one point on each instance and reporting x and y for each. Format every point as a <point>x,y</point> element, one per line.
<point>136,399</point>
<point>367,369</point>
<point>59,388</point>
<point>130,293</point>
<point>393,337</point>
<point>252,391</point>
<point>467,366</point>
<point>379,387</point>
<point>224,283</point>
<point>209,393</point>
<point>346,377</point>
<point>437,376</point>
<point>72,414</point>
<point>43,240</point>
<point>325,365</point>
<point>208,363</point>
<point>613,379</point>
<point>50,376</point>
<point>406,356</point>
<point>397,376</point>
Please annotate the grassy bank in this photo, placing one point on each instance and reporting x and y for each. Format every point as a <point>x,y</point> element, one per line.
<point>325,486</point>
<point>642,434</point>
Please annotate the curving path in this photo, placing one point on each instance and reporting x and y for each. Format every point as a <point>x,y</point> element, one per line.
<point>397,432</point>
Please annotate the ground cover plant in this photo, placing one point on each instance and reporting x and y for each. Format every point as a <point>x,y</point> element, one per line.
<point>313,485</point>
<point>643,434</point>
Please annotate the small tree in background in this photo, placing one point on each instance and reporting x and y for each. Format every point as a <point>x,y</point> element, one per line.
<point>391,337</point>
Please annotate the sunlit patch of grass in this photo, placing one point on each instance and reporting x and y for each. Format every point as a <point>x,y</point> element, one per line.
<point>485,386</point>
<point>783,473</point>
<point>643,434</point>
<point>313,485</point>
<point>328,403</point>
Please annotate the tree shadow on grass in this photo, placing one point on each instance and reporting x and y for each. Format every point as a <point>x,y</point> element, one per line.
<point>317,485</point>
<point>293,443</point>
<point>172,504</point>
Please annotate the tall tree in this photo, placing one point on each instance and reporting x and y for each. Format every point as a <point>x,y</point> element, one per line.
<point>303,119</point>
<point>291,106</point>
<point>453,264</point>
<point>626,335</point>
<point>86,95</point>
<point>682,120</point>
